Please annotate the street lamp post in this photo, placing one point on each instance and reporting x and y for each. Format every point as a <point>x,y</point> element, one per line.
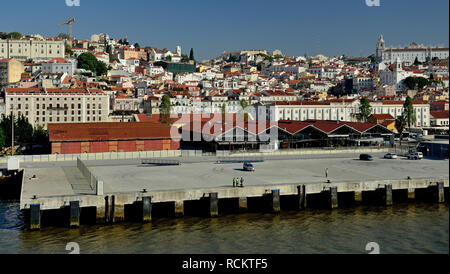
<point>12,133</point>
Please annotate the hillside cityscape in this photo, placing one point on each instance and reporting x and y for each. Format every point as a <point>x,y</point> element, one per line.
<point>72,85</point>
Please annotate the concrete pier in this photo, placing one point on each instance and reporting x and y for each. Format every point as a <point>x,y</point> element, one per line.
<point>333,197</point>
<point>146,209</point>
<point>35,217</point>
<point>275,201</point>
<point>193,189</point>
<point>301,190</point>
<point>74,214</point>
<point>213,201</point>
<point>179,209</point>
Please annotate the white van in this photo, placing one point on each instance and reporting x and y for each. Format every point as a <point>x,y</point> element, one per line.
<point>415,156</point>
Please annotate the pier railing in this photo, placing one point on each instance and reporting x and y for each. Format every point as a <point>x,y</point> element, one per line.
<point>190,153</point>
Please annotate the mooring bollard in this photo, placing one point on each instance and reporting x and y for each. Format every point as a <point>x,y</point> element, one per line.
<point>74,214</point>
<point>275,201</point>
<point>146,209</point>
<point>35,217</point>
<point>301,190</point>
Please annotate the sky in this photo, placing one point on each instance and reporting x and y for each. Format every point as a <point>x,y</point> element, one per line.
<point>296,27</point>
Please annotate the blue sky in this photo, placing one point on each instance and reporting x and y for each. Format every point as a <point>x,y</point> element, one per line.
<point>330,27</point>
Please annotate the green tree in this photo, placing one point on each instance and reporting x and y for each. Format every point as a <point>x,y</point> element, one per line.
<point>400,124</point>
<point>410,82</point>
<point>416,62</point>
<point>68,50</point>
<point>137,46</point>
<point>408,111</point>
<point>89,62</point>
<point>23,130</point>
<point>63,36</point>
<point>40,136</point>
<point>191,54</point>
<point>372,58</point>
<point>184,58</point>
<point>164,109</point>
<point>2,138</point>
<point>365,110</point>
<point>3,35</point>
<point>14,35</point>
<point>421,82</point>
<point>169,58</point>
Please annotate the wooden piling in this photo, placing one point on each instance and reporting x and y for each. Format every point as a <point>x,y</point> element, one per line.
<point>387,195</point>
<point>35,217</point>
<point>301,192</point>
<point>275,199</point>
<point>146,209</point>
<point>333,197</point>
<point>243,204</point>
<point>440,193</point>
<point>74,214</point>
<point>179,209</point>
<point>213,204</point>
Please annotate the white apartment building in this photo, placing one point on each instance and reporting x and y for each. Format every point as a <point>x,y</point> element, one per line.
<point>25,49</point>
<point>345,110</point>
<point>44,106</point>
<point>59,65</point>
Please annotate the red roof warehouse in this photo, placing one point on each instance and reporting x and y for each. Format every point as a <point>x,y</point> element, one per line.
<point>111,137</point>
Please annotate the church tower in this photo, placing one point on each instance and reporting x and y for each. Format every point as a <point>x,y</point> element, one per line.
<point>380,49</point>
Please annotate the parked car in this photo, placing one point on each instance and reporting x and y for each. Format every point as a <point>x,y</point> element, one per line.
<point>415,156</point>
<point>390,156</point>
<point>248,167</point>
<point>365,157</point>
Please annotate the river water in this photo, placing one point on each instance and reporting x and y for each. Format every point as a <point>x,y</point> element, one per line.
<point>403,228</point>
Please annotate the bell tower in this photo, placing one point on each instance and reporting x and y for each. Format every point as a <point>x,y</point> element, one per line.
<point>380,49</point>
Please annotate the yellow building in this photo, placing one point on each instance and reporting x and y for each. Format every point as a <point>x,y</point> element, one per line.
<point>10,71</point>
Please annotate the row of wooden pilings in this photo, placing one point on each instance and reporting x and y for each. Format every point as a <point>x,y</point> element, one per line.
<point>210,205</point>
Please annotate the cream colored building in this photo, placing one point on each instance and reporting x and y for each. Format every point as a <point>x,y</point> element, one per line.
<point>10,71</point>
<point>44,106</point>
<point>25,49</point>
<point>334,110</point>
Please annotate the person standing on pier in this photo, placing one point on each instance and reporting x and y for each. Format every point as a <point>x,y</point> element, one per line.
<point>242,182</point>
<point>326,173</point>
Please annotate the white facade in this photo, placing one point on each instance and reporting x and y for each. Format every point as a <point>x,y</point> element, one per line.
<point>44,106</point>
<point>409,53</point>
<point>346,111</point>
<point>31,49</point>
